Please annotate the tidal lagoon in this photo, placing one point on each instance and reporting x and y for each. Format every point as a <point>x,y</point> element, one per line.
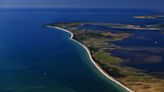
<point>39,59</point>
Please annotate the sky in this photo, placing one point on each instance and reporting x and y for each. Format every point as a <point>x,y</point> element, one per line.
<point>143,4</point>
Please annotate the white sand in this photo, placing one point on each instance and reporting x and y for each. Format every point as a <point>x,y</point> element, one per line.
<point>90,56</point>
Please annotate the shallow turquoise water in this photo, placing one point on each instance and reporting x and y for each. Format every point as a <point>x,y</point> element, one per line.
<point>38,59</point>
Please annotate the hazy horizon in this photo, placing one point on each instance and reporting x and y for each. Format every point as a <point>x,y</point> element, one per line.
<point>116,4</point>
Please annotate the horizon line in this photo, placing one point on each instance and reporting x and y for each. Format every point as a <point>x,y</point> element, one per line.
<point>81,8</point>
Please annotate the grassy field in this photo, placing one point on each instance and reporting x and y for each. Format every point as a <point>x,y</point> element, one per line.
<point>99,43</point>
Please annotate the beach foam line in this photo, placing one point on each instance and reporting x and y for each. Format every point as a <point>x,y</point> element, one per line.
<point>90,57</point>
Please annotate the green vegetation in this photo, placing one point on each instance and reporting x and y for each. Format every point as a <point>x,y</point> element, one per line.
<point>99,43</point>
<point>107,58</point>
<point>108,63</point>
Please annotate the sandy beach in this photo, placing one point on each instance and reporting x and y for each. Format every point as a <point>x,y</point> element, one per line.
<point>95,64</point>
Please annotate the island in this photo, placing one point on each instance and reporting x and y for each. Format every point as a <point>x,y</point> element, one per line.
<point>148,16</point>
<point>151,26</point>
<point>99,43</point>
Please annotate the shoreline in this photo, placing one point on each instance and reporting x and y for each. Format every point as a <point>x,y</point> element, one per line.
<point>90,57</point>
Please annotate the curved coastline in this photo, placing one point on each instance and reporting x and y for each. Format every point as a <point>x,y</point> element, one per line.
<point>90,57</point>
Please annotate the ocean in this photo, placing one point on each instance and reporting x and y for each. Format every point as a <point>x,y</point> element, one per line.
<point>34,58</point>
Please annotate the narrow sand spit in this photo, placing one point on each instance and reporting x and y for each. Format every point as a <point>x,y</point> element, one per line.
<point>90,56</point>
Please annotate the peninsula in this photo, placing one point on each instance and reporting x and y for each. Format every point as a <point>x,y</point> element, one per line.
<point>99,44</point>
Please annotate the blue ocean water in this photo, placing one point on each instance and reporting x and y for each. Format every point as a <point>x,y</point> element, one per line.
<point>38,59</point>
